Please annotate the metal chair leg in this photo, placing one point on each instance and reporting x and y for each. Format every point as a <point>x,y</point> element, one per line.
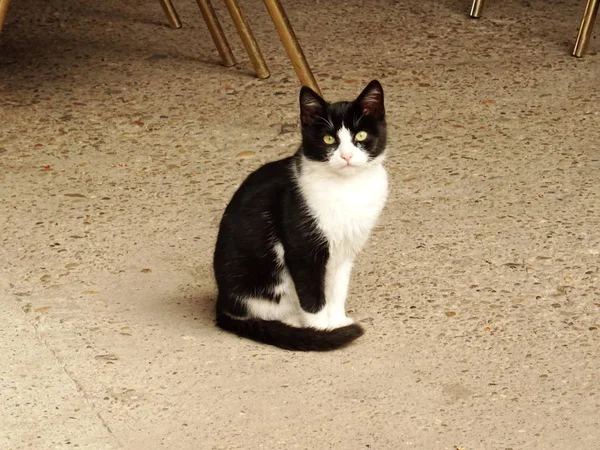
<point>171,13</point>
<point>216,32</point>
<point>4,4</point>
<point>586,27</point>
<point>243,29</point>
<point>476,9</point>
<point>291,44</point>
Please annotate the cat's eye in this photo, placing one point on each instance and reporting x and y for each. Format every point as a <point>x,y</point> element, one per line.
<point>361,136</point>
<point>329,139</point>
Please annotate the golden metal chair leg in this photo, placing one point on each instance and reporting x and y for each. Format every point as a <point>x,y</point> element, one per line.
<point>586,27</point>
<point>171,13</point>
<point>216,32</point>
<point>476,8</point>
<point>291,44</point>
<point>252,48</point>
<point>4,4</point>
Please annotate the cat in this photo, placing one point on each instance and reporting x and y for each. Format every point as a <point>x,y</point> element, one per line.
<point>291,232</point>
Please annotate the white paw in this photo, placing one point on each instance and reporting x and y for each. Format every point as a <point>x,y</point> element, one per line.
<point>293,321</point>
<point>338,322</point>
<point>319,320</point>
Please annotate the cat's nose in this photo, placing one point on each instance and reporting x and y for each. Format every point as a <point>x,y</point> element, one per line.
<point>347,156</point>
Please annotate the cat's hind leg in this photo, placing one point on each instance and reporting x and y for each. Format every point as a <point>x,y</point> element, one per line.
<point>290,305</point>
<point>285,310</point>
<point>281,304</point>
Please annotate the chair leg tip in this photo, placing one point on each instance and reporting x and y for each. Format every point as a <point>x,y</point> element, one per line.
<point>579,50</point>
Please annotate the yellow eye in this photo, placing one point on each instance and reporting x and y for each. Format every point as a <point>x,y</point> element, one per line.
<point>329,139</point>
<point>361,136</point>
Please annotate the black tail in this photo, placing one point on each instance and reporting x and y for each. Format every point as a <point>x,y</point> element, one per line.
<point>285,336</point>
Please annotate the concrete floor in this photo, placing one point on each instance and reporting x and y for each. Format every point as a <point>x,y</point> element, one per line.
<point>122,140</point>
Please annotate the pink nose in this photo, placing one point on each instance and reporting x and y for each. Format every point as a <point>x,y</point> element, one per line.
<point>347,156</point>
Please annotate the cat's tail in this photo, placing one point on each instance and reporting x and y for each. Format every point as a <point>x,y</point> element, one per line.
<point>285,336</point>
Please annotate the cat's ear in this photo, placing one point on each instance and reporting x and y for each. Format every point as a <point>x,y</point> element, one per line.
<point>311,106</point>
<point>371,100</point>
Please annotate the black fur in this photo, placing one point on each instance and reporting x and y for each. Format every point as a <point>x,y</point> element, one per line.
<point>318,117</point>
<point>290,338</point>
<point>267,208</point>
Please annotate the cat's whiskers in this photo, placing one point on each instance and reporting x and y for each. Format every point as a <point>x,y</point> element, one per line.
<point>357,120</point>
<point>290,234</point>
<point>325,121</point>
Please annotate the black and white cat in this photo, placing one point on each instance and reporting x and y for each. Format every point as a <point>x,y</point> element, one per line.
<point>290,234</point>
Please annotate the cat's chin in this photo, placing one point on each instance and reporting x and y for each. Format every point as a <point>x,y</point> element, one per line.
<point>347,171</point>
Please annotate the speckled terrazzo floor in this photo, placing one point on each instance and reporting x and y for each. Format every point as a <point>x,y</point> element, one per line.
<point>121,141</point>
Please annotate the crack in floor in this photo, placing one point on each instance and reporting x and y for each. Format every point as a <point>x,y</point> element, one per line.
<point>76,382</point>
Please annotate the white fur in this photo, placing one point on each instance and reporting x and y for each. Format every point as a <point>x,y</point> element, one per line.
<point>336,290</point>
<point>347,147</point>
<point>346,207</point>
<point>345,200</point>
<point>288,309</point>
<point>280,252</point>
<point>269,310</point>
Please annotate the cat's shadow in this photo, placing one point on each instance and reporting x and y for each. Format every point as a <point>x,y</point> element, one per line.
<point>196,306</point>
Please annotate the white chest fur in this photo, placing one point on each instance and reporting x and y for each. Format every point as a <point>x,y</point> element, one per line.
<point>345,207</point>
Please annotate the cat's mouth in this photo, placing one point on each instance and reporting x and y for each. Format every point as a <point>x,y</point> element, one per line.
<point>345,164</point>
<point>348,167</point>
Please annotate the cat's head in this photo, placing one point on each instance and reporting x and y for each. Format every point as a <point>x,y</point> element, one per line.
<point>346,136</point>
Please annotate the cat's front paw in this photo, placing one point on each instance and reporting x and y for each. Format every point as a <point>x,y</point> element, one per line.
<point>293,321</point>
<point>341,322</point>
